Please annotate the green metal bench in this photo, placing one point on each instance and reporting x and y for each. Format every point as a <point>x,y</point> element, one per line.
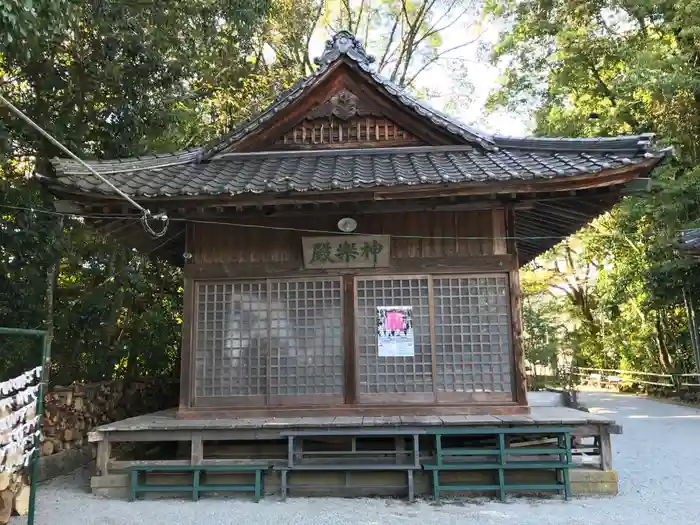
<point>407,461</point>
<point>197,487</point>
<point>501,464</point>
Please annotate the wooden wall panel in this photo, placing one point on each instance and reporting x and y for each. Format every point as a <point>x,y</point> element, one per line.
<point>421,235</point>
<point>500,234</point>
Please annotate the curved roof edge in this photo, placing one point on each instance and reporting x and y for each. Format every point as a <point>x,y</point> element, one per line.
<point>689,240</point>
<point>636,143</point>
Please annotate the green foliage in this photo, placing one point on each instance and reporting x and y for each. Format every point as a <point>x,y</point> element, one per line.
<point>119,78</point>
<point>109,79</point>
<point>407,37</point>
<point>610,67</point>
<point>542,337</point>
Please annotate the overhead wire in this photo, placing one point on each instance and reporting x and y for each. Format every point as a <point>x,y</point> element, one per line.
<point>145,213</point>
<point>326,232</point>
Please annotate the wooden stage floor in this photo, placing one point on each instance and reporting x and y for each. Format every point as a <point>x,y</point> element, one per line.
<point>165,421</point>
<point>223,441</point>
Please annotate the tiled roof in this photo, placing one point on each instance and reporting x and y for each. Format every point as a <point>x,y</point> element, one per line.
<point>327,170</point>
<point>689,240</point>
<point>480,158</point>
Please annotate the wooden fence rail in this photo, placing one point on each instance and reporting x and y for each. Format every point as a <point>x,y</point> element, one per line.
<point>685,378</point>
<point>610,376</point>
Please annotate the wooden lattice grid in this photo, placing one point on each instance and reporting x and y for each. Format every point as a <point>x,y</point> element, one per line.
<point>306,353</point>
<point>472,333</point>
<point>231,339</point>
<point>388,375</point>
<point>269,338</point>
<point>283,338</point>
<point>328,131</point>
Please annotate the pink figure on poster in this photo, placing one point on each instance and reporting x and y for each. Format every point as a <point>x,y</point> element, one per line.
<point>394,321</point>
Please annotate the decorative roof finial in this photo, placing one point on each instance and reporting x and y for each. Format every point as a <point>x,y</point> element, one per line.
<point>344,43</point>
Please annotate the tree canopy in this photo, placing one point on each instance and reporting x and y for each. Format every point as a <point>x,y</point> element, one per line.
<point>108,79</point>
<point>120,78</point>
<point>607,68</point>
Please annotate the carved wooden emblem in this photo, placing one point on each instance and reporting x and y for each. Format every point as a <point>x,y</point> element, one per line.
<point>343,105</point>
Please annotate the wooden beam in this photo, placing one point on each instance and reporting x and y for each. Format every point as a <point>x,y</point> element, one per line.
<point>420,127</point>
<point>364,208</point>
<point>532,224</point>
<point>433,337</point>
<point>563,209</point>
<point>477,264</point>
<point>500,245</point>
<point>330,83</point>
<point>404,409</point>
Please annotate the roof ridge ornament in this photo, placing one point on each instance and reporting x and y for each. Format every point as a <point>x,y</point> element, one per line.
<point>343,43</point>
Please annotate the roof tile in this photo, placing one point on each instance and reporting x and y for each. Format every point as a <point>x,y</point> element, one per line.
<point>345,169</point>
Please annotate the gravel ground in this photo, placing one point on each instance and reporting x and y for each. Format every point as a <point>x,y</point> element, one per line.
<point>657,458</point>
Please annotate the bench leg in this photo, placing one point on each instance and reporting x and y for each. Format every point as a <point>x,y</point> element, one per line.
<point>283,484</point>
<point>501,471</point>
<point>133,485</point>
<point>104,453</point>
<point>258,485</point>
<point>410,487</point>
<point>195,485</point>
<point>501,485</point>
<point>436,485</point>
<point>569,461</point>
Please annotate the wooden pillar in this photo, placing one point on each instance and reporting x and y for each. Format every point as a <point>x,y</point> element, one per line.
<point>605,448</point>
<point>519,377</point>
<point>186,354</point>
<point>197,450</point>
<point>104,453</point>
<point>500,245</point>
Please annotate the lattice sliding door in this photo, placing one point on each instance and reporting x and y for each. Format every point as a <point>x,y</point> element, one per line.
<point>280,342</point>
<point>268,342</point>
<point>384,379</point>
<point>472,331</point>
<point>306,336</point>
<point>231,339</point>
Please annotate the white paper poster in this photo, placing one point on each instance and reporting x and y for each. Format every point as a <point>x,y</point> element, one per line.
<point>395,331</point>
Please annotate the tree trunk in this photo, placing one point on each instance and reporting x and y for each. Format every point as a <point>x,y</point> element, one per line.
<point>115,269</point>
<point>692,327</point>
<point>664,356</point>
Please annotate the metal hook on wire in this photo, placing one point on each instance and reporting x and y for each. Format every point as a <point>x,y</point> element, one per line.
<point>162,217</point>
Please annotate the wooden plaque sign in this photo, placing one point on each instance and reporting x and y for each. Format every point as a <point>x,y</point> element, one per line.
<point>347,251</point>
